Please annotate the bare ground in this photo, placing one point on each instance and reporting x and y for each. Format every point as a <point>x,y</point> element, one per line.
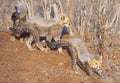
<point>19,65</point>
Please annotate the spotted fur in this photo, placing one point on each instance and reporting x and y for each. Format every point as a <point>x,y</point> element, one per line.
<point>80,56</point>
<point>44,27</point>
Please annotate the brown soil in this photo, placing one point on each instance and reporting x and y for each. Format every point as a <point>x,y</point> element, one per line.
<point>19,65</point>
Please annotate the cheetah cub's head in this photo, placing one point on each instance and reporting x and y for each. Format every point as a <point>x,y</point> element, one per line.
<point>65,20</point>
<point>96,64</point>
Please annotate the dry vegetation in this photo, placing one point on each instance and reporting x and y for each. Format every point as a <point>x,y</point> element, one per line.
<point>96,22</point>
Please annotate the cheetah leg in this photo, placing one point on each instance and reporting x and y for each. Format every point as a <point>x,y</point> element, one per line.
<point>100,72</point>
<point>12,38</point>
<point>39,46</point>
<point>86,68</point>
<point>35,33</point>
<point>59,48</point>
<point>29,42</point>
<point>73,54</point>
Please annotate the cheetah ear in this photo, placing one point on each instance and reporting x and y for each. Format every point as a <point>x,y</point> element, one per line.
<point>63,18</point>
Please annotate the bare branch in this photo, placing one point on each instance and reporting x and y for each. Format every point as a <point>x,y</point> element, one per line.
<point>102,8</point>
<point>115,17</point>
<point>60,6</point>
